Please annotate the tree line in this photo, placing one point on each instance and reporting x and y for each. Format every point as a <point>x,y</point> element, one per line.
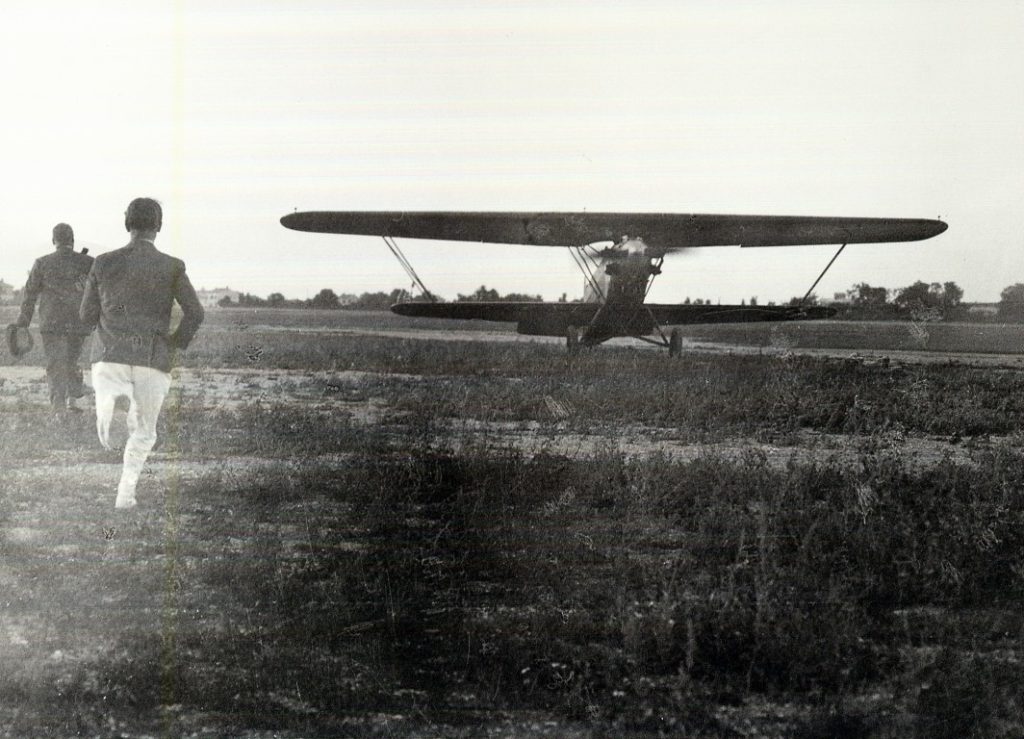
<point>327,299</point>
<point>919,301</point>
<point>928,301</point>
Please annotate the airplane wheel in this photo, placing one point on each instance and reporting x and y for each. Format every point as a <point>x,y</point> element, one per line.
<point>675,343</point>
<point>572,340</point>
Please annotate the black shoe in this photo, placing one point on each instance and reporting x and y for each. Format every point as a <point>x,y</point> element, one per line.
<point>80,392</point>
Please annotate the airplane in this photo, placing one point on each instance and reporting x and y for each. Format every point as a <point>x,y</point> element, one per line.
<point>619,255</point>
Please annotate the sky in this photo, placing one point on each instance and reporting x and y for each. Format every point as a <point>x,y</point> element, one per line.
<point>233,114</point>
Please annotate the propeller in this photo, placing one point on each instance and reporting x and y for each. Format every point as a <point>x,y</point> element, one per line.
<point>634,247</point>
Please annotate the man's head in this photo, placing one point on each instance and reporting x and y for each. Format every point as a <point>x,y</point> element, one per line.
<point>143,214</point>
<point>63,235</point>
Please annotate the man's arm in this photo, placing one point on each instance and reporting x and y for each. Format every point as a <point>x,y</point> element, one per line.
<point>33,287</point>
<point>89,310</point>
<point>192,312</point>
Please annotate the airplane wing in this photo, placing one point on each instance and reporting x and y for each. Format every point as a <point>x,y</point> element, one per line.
<point>599,321</point>
<point>578,314</point>
<point>665,231</point>
<point>669,315</point>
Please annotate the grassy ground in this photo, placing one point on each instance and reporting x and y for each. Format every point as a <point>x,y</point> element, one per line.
<point>932,336</point>
<point>301,566</point>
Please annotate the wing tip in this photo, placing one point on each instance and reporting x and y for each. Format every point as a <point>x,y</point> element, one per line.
<point>927,228</point>
<point>296,221</point>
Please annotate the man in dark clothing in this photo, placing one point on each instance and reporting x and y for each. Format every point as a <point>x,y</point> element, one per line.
<point>128,298</point>
<point>57,281</point>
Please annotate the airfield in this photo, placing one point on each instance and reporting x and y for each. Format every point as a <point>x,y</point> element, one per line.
<point>357,524</point>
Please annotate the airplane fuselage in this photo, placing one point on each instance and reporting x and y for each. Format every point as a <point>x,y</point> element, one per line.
<point>623,274</point>
<point>620,283</point>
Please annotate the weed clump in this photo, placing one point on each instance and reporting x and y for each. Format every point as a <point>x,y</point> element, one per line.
<point>968,695</point>
<point>610,592</point>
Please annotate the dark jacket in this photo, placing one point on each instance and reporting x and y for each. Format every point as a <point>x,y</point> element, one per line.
<point>128,297</point>
<point>57,282</point>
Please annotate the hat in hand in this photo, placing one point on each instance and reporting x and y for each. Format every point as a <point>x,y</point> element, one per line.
<point>19,340</point>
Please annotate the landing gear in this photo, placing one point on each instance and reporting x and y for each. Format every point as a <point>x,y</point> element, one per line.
<point>572,341</point>
<point>675,343</point>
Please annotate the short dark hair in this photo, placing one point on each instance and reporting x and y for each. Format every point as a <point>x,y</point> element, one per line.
<point>63,234</point>
<point>143,214</point>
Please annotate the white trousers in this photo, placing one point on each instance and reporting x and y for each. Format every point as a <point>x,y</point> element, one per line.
<point>145,389</point>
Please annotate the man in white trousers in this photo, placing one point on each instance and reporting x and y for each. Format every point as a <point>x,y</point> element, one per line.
<point>128,298</point>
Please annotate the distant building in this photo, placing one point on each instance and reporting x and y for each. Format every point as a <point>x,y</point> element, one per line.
<point>213,298</point>
<point>982,309</point>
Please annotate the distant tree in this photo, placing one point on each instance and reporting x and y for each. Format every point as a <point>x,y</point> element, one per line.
<point>934,301</point>
<point>953,307</point>
<point>811,299</point>
<point>952,295</point>
<point>482,295</point>
<point>521,298</point>
<point>865,296</point>
<point>753,300</point>
<point>251,301</point>
<point>372,301</point>
<point>325,299</point>
<point>915,297</point>
<point>1011,302</point>
<point>225,302</point>
<point>865,301</point>
<point>398,295</point>
<point>275,300</point>
<point>378,300</point>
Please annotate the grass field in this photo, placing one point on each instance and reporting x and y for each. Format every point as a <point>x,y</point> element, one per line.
<point>975,338</point>
<point>352,529</point>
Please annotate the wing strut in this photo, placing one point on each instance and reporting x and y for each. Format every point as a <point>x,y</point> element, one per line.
<point>655,271</point>
<point>585,262</point>
<point>827,266</point>
<point>407,266</point>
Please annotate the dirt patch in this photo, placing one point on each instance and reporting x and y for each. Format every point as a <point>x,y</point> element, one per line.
<point>640,442</point>
<point>358,395</point>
